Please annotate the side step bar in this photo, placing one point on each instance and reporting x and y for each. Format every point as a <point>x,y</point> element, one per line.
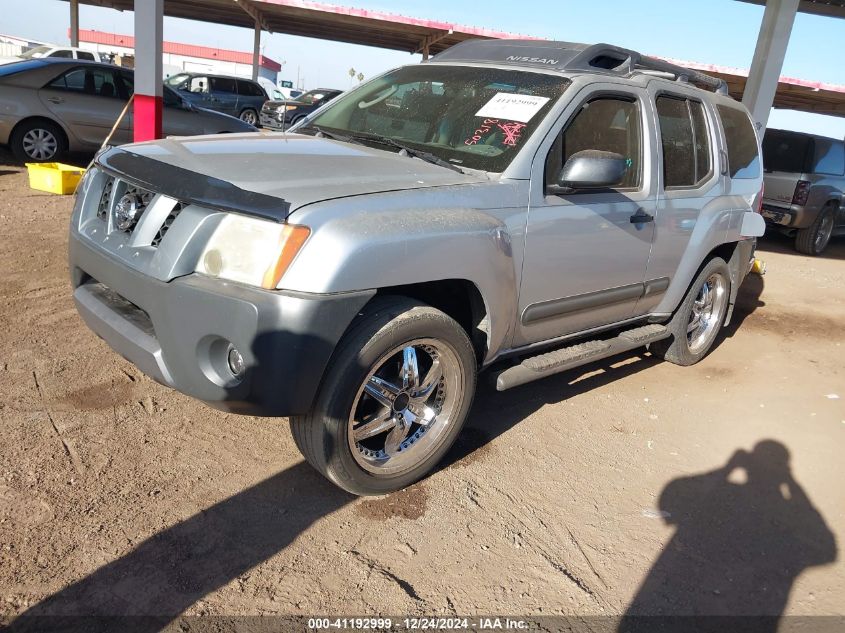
<point>559,360</point>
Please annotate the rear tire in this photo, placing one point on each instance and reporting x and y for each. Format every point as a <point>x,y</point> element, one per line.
<point>815,238</point>
<point>699,318</point>
<point>412,403</point>
<point>38,141</point>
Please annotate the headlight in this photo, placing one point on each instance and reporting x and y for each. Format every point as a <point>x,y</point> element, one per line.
<point>251,251</point>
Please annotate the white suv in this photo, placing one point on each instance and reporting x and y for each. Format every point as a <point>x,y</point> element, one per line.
<point>65,52</point>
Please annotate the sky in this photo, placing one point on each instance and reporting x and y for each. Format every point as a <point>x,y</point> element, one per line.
<point>722,32</point>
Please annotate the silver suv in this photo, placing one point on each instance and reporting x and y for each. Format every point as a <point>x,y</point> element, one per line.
<point>805,182</point>
<point>519,207</point>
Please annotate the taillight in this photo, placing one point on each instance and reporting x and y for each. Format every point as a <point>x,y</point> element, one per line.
<point>802,192</point>
<point>759,208</point>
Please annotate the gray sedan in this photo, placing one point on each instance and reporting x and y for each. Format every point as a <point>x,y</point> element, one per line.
<point>50,106</point>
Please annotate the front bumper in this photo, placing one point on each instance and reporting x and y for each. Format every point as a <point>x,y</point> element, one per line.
<point>179,332</point>
<point>271,122</point>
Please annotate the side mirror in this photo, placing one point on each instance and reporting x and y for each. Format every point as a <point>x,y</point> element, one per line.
<point>592,169</point>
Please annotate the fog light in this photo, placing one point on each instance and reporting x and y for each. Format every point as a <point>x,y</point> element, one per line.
<point>236,362</point>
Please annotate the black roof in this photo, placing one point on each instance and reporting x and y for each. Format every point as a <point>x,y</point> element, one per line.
<point>571,57</point>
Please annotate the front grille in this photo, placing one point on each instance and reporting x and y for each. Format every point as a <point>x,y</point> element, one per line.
<point>166,224</point>
<point>126,205</point>
<point>105,200</point>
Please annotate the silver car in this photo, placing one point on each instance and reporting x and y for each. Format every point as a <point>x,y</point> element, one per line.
<point>805,187</point>
<point>50,106</point>
<point>516,207</point>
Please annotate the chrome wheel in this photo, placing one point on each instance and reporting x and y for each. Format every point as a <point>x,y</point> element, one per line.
<point>824,232</point>
<point>249,116</point>
<point>402,411</point>
<point>40,144</point>
<point>708,312</point>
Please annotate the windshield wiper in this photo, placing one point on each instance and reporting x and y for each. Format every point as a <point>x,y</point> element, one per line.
<point>409,151</point>
<point>332,135</point>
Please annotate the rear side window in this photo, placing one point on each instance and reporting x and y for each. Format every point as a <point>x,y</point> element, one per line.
<point>223,84</point>
<point>685,141</point>
<point>249,89</point>
<point>98,82</point>
<point>743,158</point>
<point>830,157</point>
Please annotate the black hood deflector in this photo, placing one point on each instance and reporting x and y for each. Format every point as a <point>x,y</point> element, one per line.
<point>191,187</point>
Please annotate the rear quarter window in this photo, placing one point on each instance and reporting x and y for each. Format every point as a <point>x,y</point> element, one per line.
<point>830,157</point>
<point>743,156</point>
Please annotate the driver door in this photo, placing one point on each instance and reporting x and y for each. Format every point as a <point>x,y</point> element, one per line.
<point>586,251</point>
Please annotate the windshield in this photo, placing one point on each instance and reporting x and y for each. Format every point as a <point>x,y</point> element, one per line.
<point>38,51</point>
<point>470,117</point>
<point>176,80</point>
<point>310,97</point>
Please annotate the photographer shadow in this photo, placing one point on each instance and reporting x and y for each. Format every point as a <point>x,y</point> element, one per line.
<point>744,533</point>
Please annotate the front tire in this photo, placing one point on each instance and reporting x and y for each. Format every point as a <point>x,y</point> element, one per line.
<point>815,238</point>
<point>393,400</point>
<point>699,318</point>
<point>38,141</point>
<point>249,116</point>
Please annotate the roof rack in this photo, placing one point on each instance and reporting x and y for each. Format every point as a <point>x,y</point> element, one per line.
<point>569,56</point>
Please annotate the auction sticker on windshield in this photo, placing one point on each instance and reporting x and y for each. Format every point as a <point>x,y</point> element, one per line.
<point>512,107</point>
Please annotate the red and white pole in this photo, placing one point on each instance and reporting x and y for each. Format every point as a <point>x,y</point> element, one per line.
<point>149,37</point>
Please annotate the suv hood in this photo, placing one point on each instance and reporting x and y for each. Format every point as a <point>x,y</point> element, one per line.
<point>295,168</point>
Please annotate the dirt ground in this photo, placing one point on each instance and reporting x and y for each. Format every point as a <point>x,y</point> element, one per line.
<point>630,485</point>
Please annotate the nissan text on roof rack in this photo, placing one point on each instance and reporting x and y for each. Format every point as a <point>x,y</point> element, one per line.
<point>513,207</point>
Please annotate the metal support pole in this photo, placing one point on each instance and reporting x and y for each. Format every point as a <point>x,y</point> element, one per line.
<point>74,23</point>
<point>256,50</point>
<point>767,64</point>
<point>149,38</point>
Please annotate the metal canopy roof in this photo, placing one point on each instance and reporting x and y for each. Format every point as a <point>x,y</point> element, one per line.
<point>793,94</point>
<point>323,21</point>
<point>387,30</point>
<point>827,8</point>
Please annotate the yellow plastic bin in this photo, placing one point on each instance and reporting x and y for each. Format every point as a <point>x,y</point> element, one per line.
<point>54,177</point>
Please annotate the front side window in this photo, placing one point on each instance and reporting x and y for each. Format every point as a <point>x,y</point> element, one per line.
<point>743,155</point>
<point>85,55</point>
<point>471,117</point>
<point>62,54</point>
<point>197,85</point>
<point>607,124</point>
<point>685,141</point>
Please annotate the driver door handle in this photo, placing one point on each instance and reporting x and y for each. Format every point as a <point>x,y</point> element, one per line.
<point>56,100</point>
<point>641,217</point>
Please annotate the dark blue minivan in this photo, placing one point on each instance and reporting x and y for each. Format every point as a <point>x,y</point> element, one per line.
<point>238,97</point>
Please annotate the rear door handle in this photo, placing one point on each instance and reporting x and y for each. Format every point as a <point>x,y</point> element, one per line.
<point>56,100</point>
<point>641,217</point>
